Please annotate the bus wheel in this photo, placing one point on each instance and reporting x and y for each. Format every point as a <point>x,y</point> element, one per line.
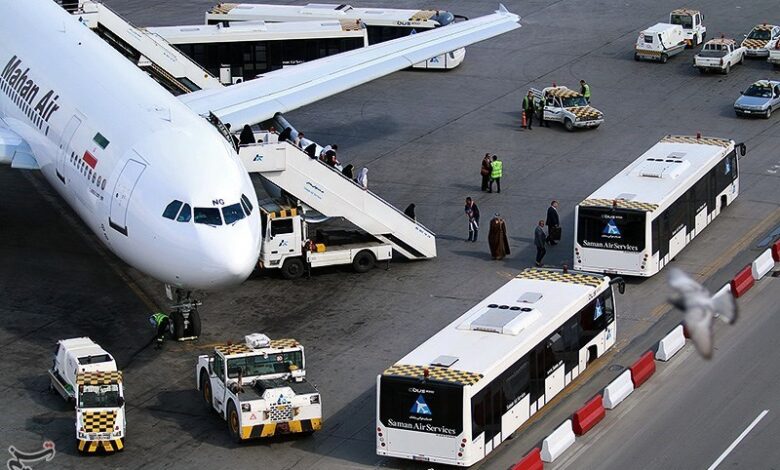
<point>234,427</point>
<point>364,261</point>
<point>568,124</point>
<point>292,268</point>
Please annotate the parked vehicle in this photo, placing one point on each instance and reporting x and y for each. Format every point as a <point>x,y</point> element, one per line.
<point>760,99</point>
<point>759,37</point>
<point>691,22</point>
<point>660,42</point>
<point>719,55</point>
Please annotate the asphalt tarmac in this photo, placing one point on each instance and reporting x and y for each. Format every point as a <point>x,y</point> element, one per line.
<point>422,134</point>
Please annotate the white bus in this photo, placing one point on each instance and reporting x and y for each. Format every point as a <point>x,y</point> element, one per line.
<point>242,51</point>
<point>644,216</point>
<point>469,387</point>
<point>383,24</point>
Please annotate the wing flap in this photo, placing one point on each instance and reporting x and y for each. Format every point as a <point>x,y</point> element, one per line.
<point>290,88</point>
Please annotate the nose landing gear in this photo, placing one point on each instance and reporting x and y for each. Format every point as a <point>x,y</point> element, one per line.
<point>185,324</point>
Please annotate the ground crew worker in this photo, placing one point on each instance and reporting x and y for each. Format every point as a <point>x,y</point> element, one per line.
<point>160,321</point>
<point>585,90</point>
<point>496,172</point>
<point>528,108</point>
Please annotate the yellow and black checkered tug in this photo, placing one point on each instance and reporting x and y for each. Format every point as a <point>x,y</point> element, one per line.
<point>100,412</point>
<point>569,107</point>
<point>259,387</point>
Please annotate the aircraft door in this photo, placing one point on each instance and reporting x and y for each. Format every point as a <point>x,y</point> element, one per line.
<point>65,140</point>
<point>121,197</point>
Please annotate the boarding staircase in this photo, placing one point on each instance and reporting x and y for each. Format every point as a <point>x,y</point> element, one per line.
<point>329,192</point>
<point>148,50</point>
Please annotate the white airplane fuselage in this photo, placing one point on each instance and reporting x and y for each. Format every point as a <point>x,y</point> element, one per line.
<point>120,149</point>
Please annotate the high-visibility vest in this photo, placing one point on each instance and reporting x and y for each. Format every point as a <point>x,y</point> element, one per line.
<point>159,317</point>
<point>496,170</point>
<point>586,90</point>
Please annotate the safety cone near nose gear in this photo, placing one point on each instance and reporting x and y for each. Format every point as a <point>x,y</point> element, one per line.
<point>525,120</point>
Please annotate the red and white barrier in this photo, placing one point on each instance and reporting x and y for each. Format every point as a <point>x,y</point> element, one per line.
<point>556,443</point>
<point>531,461</point>
<point>762,265</point>
<point>588,416</point>
<point>642,369</point>
<point>742,282</point>
<point>670,344</point>
<point>618,390</point>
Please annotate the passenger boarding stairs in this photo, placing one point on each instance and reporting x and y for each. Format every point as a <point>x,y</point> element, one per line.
<point>153,54</point>
<point>329,192</point>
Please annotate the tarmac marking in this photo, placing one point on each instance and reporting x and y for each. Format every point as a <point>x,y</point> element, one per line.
<point>738,440</point>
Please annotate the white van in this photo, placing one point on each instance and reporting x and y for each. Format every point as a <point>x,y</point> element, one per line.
<point>660,42</point>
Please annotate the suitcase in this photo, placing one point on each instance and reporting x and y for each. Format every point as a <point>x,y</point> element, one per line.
<point>555,234</point>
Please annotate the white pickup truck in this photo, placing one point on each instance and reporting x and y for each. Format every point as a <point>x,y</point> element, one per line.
<point>719,55</point>
<point>86,375</point>
<point>564,105</point>
<point>259,387</point>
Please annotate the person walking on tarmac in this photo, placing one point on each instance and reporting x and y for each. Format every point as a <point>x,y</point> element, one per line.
<point>529,108</point>
<point>472,212</point>
<point>585,90</point>
<point>485,171</point>
<point>496,172</point>
<point>539,240</point>
<point>161,322</point>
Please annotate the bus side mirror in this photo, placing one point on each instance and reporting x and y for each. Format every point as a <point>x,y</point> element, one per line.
<point>621,284</point>
<point>741,149</point>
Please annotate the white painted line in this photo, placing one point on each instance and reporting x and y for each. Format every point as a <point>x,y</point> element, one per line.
<point>738,440</point>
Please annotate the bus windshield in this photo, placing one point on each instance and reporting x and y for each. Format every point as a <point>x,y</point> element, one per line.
<point>611,229</point>
<point>432,407</point>
<point>278,363</point>
<point>99,396</point>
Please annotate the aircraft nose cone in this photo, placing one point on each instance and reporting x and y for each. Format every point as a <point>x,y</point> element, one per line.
<point>235,260</point>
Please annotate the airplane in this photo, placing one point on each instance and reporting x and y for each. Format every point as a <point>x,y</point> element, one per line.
<point>155,177</point>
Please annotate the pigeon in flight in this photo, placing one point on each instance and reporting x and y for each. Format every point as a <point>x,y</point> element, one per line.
<point>700,309</point>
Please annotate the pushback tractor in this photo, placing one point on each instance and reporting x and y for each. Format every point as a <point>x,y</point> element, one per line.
<point>259,387</point>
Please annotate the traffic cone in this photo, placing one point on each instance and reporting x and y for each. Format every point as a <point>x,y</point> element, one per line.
<point>525,120</point>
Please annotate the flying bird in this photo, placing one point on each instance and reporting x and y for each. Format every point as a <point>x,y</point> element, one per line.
<point>700,309</point>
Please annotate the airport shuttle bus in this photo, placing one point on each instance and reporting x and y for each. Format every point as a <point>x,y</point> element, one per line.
<point>244,50</point>
<point>462,392</point>
<point>644,216</point>
<point>383,24</point>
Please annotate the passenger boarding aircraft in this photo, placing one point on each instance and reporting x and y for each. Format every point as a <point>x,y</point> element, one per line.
<point>160,185</point>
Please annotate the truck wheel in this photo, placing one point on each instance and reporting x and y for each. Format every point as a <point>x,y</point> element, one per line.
<point>636,57</point>
<point>178,325</point>
<point>364,261</point>
<point>194,323</point>
<point>664,58</point>
<point>727,69</point>
<point>568,124</point>
<point>205,389</point>
<point>234,425</point>
<point>292,268</point>
<point>702,70</point>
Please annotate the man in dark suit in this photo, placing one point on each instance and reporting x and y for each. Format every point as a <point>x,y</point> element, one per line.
<point>553,224</point>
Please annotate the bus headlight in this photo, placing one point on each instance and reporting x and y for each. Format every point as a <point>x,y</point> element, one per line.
<point>246,407</point>
<point>314,399</point>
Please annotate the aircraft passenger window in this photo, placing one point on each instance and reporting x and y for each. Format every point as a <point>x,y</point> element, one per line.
<point>172,210</point>
<point>185,215</point>
<point>232,214</point>
<point>246,204</point>
<point>103,186</point>
<point>208,216</point>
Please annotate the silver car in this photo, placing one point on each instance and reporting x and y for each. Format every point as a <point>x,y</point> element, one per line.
<point>760,99</point>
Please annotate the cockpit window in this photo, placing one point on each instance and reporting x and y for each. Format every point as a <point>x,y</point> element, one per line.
<point>172,209</point>
<point>207,215</point>
<point>232,214</point>
<point>246,204</point>
<point>185,215</point>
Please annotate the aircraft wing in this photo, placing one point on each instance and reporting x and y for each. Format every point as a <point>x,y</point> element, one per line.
<point>290,88</point>
<point>15,151</point>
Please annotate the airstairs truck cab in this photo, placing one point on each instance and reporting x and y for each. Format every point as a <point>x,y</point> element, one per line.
<point>660,42</point>
<point>85,374</point>
<point>691,22</point>
<point>570,108</point>
<point>287,244</point>
<point>259,387</point>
